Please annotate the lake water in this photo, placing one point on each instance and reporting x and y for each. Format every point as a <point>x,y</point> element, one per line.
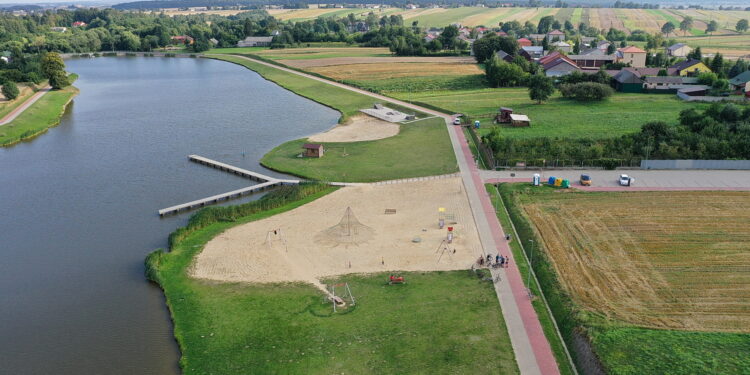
<point>79,205</point>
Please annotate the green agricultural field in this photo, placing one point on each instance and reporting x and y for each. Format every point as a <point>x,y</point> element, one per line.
<point>421,148</point>
<point>558,117</point>
<point>437,323</point>
<point>43,114</point>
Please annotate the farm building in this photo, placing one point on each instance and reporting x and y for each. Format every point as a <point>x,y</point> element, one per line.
<point>668,84</point>
<point>740,81</point>
<point>690,68</point>
<point>628,81</point>
<point>313,150</point>
<point>255,41</point>
<point>632,55</point>
<point>503,115</point>
<point>519,120</point>
<point>591,61</point>
<point>678,50</point>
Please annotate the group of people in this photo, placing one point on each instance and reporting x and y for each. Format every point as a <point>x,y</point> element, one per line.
<point>500,261</point>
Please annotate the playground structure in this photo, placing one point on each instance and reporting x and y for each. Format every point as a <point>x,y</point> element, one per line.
<point>342,301</point>
<point>349,231</point>
<point>275,235</point>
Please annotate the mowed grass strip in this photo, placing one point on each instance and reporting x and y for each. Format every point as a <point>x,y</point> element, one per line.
<point>558,117</point>
<point>440,322</point>
<point>422,148</point>
<point>676,260</point>
<point>39,117</point>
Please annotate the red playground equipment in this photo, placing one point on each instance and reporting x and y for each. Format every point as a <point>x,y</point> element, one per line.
<point>396,280</point>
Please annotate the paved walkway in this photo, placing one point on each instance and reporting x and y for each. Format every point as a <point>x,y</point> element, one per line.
<point>644,179</point>
<point>531,348</point>
<point>18,110</point>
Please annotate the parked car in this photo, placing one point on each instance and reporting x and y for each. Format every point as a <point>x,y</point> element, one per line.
<point>626,180</point>
<point>457,119</point>
<point>585,180</point>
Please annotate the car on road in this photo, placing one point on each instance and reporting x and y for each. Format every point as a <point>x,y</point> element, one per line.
<point>626,180</point>
<point>585,180</point>
<point>457,119</point>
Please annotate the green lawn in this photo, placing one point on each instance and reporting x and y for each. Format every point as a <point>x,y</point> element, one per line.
<point>422,148</point>
<point>43,114</point>
<point>558,117</point>
<point>437,323</point>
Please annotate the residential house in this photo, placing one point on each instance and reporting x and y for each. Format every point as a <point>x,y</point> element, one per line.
<point>532,53</point>
<point>523,42</point>
<point>593,51</point>
<point>603,45</point>
<point>592,61</point>
<point>555,35</point>
<point>59,29</point>
<point>79,24</point>
<point>504,56</point>
<point>632,55</point>
<point>740,81</point>
<point>587,40</point>
<point>468,41</point>
<point>562,46</point>
<point>501,33</point>
<point>536,37</point>
<point>430,37</point>
<point>411,6</point>
<point>556,64</point>
<point>181,39</point>
<point>678,50</point>
<point>690,68</point>
<point>255,41</point>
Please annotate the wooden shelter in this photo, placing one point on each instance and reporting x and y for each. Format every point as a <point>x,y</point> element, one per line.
<point>313,150</point>
<point>519,120</point>
<point>503,115</point>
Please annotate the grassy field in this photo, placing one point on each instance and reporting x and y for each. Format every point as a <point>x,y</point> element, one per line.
<point>440,322</point>
<point>422,148</point>
<point>613,264</point>
<point>322,53</point>
<point>43,114</point>
<point>621,114</point>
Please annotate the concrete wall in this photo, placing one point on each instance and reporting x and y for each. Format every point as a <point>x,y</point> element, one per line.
<point>696,164</point>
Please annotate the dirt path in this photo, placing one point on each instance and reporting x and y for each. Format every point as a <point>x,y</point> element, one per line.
<point>16,112</point>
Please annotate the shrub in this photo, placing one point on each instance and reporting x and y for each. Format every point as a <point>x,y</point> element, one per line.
<point>10,90</point>
<point>586,91</point>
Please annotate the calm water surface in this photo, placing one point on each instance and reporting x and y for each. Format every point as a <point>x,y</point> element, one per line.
<point>79,205</point>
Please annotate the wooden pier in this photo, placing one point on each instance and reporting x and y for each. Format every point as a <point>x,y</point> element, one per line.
<point>266,182</point>
<point>230,168</point>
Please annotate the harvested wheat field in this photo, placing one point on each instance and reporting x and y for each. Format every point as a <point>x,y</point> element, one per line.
<point>678,260</point>
<point>394,70</point>
<point>378,61</point>
<point>348,231</point>
<point>358,128</point>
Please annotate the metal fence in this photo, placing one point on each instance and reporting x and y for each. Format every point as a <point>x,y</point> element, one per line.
<point>696,164</point>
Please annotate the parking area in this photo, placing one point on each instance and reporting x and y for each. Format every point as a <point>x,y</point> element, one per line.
<point>644,179</point>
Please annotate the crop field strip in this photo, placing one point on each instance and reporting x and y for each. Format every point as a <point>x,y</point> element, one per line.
<point>676,260</point>
<point>564,14</point>
<point>398,70</point>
